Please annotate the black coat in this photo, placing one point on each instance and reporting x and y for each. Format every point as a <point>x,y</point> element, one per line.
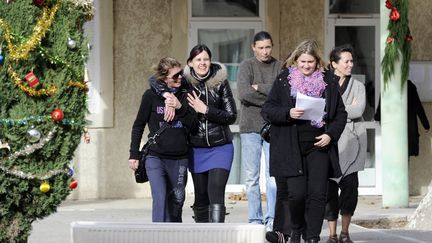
<point>415,109</point>
<point>213,127</point>
<point>285,157</point>
<point>173,142</point>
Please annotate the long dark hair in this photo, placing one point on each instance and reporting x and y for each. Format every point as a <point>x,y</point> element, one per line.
<point>196,50</point>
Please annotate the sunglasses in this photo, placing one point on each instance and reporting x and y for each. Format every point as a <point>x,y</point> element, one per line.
<point>177,75</point>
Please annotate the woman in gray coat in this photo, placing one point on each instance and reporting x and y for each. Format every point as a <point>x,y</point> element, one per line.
<point>351,145</point>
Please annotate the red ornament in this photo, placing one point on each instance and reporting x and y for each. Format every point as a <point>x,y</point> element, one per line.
<point>73,184</point>
<point>39,3</point>
<point>57,115</point>
<point>388,4</point>
<point>390,40</point>
<point>394,15</point>
<point>32,80</point>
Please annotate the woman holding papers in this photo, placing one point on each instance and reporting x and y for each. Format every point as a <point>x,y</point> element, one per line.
<point>304,153</point>
<point>352,144</point>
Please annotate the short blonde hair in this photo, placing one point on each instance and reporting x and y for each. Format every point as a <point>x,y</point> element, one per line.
<point>165,64</point>
<point>309,47</point>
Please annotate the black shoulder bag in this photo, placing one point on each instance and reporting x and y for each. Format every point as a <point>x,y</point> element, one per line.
<point>265,131</point>
<point>140,172</point>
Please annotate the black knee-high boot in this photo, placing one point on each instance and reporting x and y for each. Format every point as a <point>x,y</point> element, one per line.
<point>201,214</point>
<point>217,213</point>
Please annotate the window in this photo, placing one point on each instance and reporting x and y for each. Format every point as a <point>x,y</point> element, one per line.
<point>225,8</point>
<point>354,6</point>
<point>229,43</point>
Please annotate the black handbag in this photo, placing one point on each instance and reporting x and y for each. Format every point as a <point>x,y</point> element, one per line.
<point>140,172</point>
<point>265,132</point>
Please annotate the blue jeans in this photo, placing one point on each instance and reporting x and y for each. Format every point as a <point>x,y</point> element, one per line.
<point>167,182</point>
<point>251,144</point>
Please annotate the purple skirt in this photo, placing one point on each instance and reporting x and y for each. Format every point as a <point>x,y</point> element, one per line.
<point>205,159</point>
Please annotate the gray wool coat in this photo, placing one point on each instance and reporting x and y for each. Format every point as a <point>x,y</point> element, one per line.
<point>353,141</point>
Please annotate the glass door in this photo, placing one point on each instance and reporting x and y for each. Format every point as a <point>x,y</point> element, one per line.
<point>230,43</point>
<point>362,33</point>
<point>227,28</point>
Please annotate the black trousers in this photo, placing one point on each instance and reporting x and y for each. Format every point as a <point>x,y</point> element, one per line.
<point>346,201</point>
<point>282,219</point>
<point>210,186</point>
<point>307,195</point>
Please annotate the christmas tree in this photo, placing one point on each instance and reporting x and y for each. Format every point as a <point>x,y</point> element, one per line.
<point>43,103</point>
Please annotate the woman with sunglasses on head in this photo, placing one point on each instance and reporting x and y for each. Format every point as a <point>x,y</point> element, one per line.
<point>303,153</point>
<point>167,160</point>
<point>352,144</point>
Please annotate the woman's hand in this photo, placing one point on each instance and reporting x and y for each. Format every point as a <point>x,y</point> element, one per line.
<point>296,113</point>
<point>133,164</point>
<point>172,101</point>
<point>169,113</point>
<point>196,103</point>
<point>171,104</point>
<point>323,140</point>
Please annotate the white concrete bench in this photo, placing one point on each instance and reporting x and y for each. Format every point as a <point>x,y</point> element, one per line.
<point>114,232</point>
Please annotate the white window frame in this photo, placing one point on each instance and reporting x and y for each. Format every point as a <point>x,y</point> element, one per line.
<point>100,31</point>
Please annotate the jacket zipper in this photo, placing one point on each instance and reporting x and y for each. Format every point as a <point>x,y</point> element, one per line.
<point>206,124</point>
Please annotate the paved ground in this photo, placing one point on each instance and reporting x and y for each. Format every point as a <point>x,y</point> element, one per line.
<point>56,228</point>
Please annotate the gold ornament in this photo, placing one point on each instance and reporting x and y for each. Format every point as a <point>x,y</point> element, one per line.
<point>44,187</point>
<point>21,51</point>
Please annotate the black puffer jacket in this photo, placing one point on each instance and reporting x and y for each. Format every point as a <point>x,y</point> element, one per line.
<point>213,127</point>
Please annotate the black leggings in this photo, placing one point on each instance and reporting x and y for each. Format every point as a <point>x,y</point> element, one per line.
<point>346,201</point>
<point>210,187</point>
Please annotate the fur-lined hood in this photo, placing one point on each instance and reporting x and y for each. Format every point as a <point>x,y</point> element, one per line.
<point>218,75</point>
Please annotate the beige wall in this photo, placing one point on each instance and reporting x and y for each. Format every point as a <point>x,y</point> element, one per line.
<point>300,21</point>
<point>420,18</point>
<point>143,33</point>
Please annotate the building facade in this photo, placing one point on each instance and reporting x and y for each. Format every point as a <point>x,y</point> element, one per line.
<point>129,36</point>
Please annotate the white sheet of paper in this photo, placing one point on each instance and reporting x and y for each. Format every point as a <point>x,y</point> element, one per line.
<point>313,107</point>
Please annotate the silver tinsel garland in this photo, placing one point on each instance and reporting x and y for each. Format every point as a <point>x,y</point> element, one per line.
<point>30,176</point>
<point>28,149</point>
